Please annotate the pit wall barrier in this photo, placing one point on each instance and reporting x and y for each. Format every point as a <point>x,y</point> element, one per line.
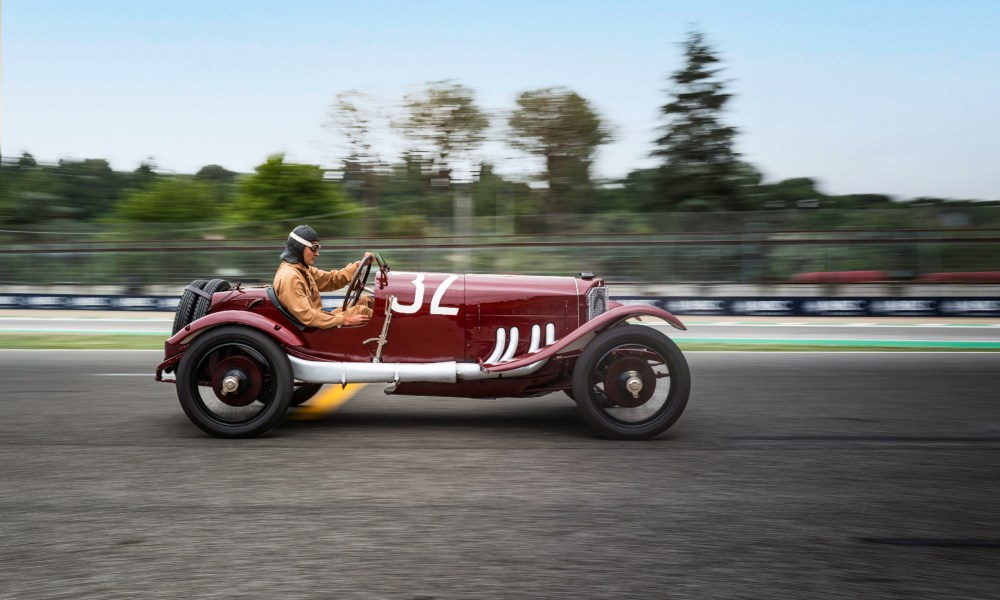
<point>722,306</point>
<point>824,306</point>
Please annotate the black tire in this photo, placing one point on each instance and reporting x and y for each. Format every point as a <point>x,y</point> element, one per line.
<point>185,308</point>
<point>643,357</point>
<point>303,392</point>
<point>202,305</point>
<point>263,372</point>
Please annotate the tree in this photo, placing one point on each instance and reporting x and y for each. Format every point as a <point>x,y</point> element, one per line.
<point>26,161</point>
<point>170,207</point>
<point>790,193</point>
<point>88,189</point>
<point>216,173</point>
<point>168,200</point>
<point>639,189</point>
<point>280,192</point>
<point>502,200</point>
<point>144,174</point>
<point>860,201</point>
<point>562,128</point>
<point>444,118</point>
<point>353,117</point>
<point>221,180</point>
<point>699,162</point>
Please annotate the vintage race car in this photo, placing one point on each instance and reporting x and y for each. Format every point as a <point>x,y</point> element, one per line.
<point>239,359</point>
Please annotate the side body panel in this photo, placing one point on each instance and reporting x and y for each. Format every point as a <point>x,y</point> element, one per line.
<point>506,315</point>
<point>428,316</point>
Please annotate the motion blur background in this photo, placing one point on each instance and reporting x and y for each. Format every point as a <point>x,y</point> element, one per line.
<point>653,143</point>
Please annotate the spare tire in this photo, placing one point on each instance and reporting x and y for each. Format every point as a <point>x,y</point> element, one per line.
<point>185,308</point>
<point>205,301</point>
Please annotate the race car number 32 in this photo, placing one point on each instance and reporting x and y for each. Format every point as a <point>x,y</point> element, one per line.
<point>418,298</point>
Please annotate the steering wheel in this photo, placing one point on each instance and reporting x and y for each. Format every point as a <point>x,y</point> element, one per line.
<point>357,285</point>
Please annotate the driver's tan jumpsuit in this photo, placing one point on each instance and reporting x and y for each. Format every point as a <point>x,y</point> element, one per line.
<point>298,286</point>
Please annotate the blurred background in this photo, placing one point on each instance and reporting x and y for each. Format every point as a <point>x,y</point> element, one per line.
<point>144,176</point>
<point>84,224</point>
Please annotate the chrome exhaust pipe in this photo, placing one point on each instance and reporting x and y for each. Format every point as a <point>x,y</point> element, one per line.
<point>312,371</point>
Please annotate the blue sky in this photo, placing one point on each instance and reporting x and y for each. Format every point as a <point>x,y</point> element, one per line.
<point>888,96</point>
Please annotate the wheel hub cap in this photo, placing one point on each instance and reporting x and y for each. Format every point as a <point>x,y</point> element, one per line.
<point>231,382</point>
<point>236,380</point>
<point>630,382</point>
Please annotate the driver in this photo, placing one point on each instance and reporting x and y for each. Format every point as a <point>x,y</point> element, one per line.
<point>297,283</point>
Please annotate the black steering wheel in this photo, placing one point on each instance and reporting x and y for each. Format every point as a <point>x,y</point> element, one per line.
<point>358,282</point>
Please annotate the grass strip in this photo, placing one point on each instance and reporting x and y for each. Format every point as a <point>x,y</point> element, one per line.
<point>74,341</point>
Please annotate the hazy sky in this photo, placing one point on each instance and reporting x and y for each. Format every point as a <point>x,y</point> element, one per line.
<point>884,96</point>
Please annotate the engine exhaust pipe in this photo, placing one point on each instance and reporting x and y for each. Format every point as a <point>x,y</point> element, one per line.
<point>311,371</point>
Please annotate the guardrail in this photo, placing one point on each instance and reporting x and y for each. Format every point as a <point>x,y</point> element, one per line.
<point>748,256</point>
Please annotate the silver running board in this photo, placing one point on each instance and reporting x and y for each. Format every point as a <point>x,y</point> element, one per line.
<point>312,371</point>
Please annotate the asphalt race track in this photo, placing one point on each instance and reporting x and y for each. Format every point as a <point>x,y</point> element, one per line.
<point>812,475</point>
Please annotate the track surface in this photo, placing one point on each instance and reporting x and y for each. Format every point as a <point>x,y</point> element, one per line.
<point>818,475</point>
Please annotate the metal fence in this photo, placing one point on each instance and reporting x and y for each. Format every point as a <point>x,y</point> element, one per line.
<point>766,247</point>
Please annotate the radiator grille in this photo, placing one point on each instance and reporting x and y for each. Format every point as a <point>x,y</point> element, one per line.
<point>597,302</point>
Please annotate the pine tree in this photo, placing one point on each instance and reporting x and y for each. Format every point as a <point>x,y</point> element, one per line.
<point>700,169</point>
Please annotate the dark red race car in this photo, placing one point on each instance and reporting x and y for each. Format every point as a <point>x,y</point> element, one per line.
<point>240,359</point>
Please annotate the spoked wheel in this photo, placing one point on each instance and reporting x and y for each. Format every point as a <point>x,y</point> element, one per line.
<point>234,382</point>
<point>631,383</point>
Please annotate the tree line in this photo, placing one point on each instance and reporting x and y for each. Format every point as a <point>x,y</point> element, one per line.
<point>698,170</point>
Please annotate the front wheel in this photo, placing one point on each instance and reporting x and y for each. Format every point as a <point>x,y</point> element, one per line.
<point>234,382</point>
<point>631,383</point>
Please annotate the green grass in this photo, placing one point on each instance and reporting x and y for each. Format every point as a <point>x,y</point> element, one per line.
<point>98,341</point>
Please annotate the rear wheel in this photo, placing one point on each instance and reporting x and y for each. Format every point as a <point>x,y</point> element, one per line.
<point>631,383</point>
<point>234,382</point>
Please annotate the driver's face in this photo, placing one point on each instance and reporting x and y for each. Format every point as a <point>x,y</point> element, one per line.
<point>309,255</point>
